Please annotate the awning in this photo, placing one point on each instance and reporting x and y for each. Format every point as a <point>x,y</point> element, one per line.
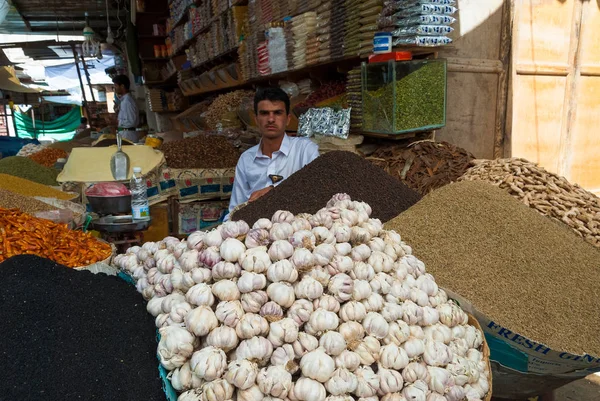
<point>10,82</point>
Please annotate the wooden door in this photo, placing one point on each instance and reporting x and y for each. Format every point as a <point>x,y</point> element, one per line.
<point>554,102</point>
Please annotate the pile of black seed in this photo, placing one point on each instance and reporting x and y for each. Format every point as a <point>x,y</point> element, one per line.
<point>73,335</point>
<point>310,188</point>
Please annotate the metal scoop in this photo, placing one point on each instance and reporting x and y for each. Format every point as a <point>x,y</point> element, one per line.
<point>119,162</point>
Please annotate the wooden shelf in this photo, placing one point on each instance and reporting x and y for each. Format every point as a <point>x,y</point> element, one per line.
<point>202,30</point>
<point>153,13</point>
<point>157,37</point>
<point>216,59</point>
<point>167,81</point>
<point>155,59</point>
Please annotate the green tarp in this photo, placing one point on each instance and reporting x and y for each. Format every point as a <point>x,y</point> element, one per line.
<point>61,129</point>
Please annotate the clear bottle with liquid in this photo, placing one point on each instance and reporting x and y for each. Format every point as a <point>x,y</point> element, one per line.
<point>140,210</point>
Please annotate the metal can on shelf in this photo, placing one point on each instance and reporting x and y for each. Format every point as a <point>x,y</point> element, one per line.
<point>153,141</point>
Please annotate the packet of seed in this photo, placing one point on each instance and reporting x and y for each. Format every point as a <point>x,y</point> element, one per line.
<point>425,30</point>
<point>420,9</point>
<point>424,41</point>
<point>429,19</point>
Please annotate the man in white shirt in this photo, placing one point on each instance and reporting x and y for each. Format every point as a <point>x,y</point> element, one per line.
<point>129,117</point>
<point>277,156</point>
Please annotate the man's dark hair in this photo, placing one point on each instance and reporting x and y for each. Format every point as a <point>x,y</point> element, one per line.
<point>83,120</point>
<point>274,95</point>
<point>122,80</point>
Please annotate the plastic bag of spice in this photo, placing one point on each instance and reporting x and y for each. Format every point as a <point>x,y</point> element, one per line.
<point>425,41</point>
<point>425,30</point>
<point>419,10</point>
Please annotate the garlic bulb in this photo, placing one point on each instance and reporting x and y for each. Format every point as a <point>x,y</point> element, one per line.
<point>171,300</point>
<point>341,232</point>
<point>458,346</point>
<point>390,381</point>
<point>249,282</point>
<point>342,381</point>
<point>382,283</point>
<point>256,349</point>
<point>209,363</point>
<point>362,290</point>
<point>191,395</point>
<point>263,223</point>
<point>302,239</point>
<point>217,390</point>
<point>427,283</point>
<point>182,378</point>
<point>210,256</point>
<point>333,343</point>
<point>440,380</point>
<point>285,356</point>
<point>393,397</point>
<point>226,290</point>
<point>253,301</point>
<point>251,325</point>
<point>280,250</point>
<point>176,345</point>
<point>179,311</point>
<point>411,312</point>
<point>391,312</point>
<point>367,350</point>
<point>282,332</point>
<point>352,331</point>
<point>200,295</point>
<point>416,391</point>
<point>282,271</point>
<point>375,325</point>
<point>415,371</point>
<point>201,275</point>
<point>368,382</point>
<point>305,344</point>
<point>225,270</point>
<point>257,237</point>
<point>189,260</point>
<point>321,274</point>
<point>392,356</point>
<point>274,381</point>
<point>473,337</point>
<point>281,231</point>
<point>381,262</point>
<point>271,311</point>
<point>223,337</point>
<point>252,393</point>
<point>302,259</point>
<point>321,219</point>
<point>343,248</point>
<point>348,360</point>
<point>377,244</point>
<point>430,316</point>
<point>306,389</point>
<point>300,224</point>
<point>232,250</point>
<point>439,332</point>
<point>328,303</point>
<point>255,260</point>
<point>374,303</point>
<point>341,286</point>
<point>308,288</point>
<point>360,253</point>
<point>154,306</point>
<point>317,365</point>
<point>201,321</point>
<point>324,254</point>
<point>436,353</point>
<point>281,293</point>
<point>300,311</point>
<point>340,264</point>
<point>414,347</point>
<point>419,297</point>
<point>320,321</point>
<point>241,373</point>
<point>323,235</point>
<point>455,393</point>
<point>282,216</point>
<point>362,271</point>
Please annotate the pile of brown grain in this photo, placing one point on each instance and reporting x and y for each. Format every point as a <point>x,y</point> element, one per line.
<point>524,271</point>
<point>424,166</point>
<point>26,204</point>
<point>202,151</point>
<point>551,195</point>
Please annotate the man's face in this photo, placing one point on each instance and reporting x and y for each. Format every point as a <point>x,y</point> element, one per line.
<point>119,89</point>
<point>272,118</point>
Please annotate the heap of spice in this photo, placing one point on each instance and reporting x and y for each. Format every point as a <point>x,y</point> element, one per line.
<point>222,113</point>
<point>83,336</point>
<point>414,101</point>
<point>30,188</point>
<point>424,166</point>
<point>27,204</point>
<point>48,156</point>
<point>550,194</point>
<point>307,190</point>
<point>24,167</point>
<point>202,151</point>
<point>522,270</point>
<point>22,234</point>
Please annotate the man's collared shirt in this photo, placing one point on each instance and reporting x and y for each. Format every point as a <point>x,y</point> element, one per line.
<point>253,169</point>
<point>128,112</point>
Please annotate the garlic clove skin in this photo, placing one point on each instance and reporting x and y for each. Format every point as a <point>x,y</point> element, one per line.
<point>249,282</point>
<point>255,260</point>
<point>368,382</point>
<point>353,311</point>
<point>333,343</point>
<point>191,395</point>
<point>390,381</point>
<point>201,321</point>
<point>305,344</point>
<point>393,397</point>
<point>223,337</point>
<point>282,293</point>
<point>300,311</point>
<point>282,270</point>
<point>229,312</point>
<point>251,325</point>
<point>242,374</point>
<point>284,331</point>
<point>308,288</point>
<point>351,331</point>
<point>252,393</point>
<point>327,302</point>
<point>256,349</point>
<point>285,356</point>
<point>217,390</point>
<point>274,381</point>
<point>348,360</point>
<point>306,389</point>
<point>209,363</point>
<point>200,295</point>
<point>263,223</point>
<point>375,325</point>
<point>317,365</point>
<point>253,301</point>
<point>341,382</point>
<point>393,357</point>
<point>176,345</point>
<point>226,290</point>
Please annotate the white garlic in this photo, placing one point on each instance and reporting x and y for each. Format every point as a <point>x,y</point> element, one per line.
<point>249,282</point>
<point>414,347</point>
<point>191,395</point>
<point>436,397</point>
<point>342,381</point>
<point>323,235</point>
<point>368,382</point>
<point>303,239</point>
<point>213,238</point>
<point>302,259</point>
<point>393,397</point>
<point>225,270</point>
<point>360,235</point>
<point>176,345</point>
<point>251,325</point>
<point>381,262</point>
<point>162,320</point>
<point>271,311</point>
<point>201,275</point>
<point>304,344</point>
<point>362,290</point>
<point>440,380</point>
<point>263,223</point>
<point>300,224</point>
<point>347,360</point>
<point>473,336</point>
<point>343,248</point>
<point>430,316</point>
<point>300,311</point>
<point>209,363</point>
<point>321,219</point>
<point>274,381</point>
<point>320,321</point>
<point>399,291</point>
<point>317,365</point>
<point>360,253</point>
<point>182,378</point>
<point>323,254</point>
<point>415,371</point>
<point>255,260</point>
<point>392,356</point>
<point>189,260</point>
<point>307,288</point>
<point>217,390</point>
<point>282,293</point>
<point>306,389</point>
<point>285,356</point>
<point>390,381</point>
<point>179,311</point>
<point>375,325</point>
<point>416,391</point>
<point>282,332</point>
<point>242,373</point>
<point>362,271</point>
<point>256,349</point>
<point>341,232</point>
<point>412,313</point>
<point>154,306</point>
<point>341,286</point>
<point>368,350</point>
<point>253,301</point>
<point>281,231</point>
<point>201,321</point>
<point>333,343</point>
<point>353,310</point>
<point>282,271</point>
<point>171,300</point>
<point>413,265</point>
<point>340,398</point>
<point>427,283</point>
<point>391,312</point>
<point>374,303</point>
<point>458,346</point>
<point>226,290</point>
<point>229,312</point>
<point>257,237</point>
<point>340,264</point>
<point>252,393</point>
<point>351,331</point>
<point>280,250</point>
<point>327,302</point>
<point>223,337</point>
<point>455,393</point>
<point>382,283</point>
<point>419,297</point>
<point>282,216</point>
<point>395,251</point>
<point>320,273</point>
<point>439,332</point>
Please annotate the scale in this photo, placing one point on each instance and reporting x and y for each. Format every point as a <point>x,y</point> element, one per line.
<point>112,218</point>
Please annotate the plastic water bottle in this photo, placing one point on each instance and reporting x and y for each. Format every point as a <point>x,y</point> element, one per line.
<point>139,197</point>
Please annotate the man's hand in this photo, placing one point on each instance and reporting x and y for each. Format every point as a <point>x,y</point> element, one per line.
<point>259,193</point>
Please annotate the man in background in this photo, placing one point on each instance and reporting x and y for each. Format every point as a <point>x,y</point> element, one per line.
<point>128,117</point>
<point>277,156</point>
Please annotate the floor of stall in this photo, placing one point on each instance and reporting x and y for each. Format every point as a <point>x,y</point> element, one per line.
<point>580,390</point>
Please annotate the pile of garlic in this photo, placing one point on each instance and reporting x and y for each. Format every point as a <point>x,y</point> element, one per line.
<point>306,308</point>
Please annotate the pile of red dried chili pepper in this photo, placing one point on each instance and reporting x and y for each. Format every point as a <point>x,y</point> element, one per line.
<point>22,234</point>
